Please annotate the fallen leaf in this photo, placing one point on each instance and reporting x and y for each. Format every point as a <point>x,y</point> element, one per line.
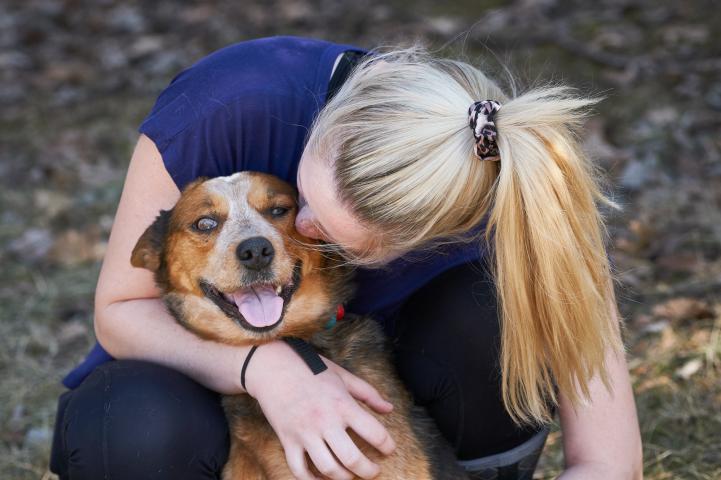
<point>683,308</point>
<point>690,368</point>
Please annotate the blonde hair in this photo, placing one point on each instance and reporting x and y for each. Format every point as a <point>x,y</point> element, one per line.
<point>398,136</point>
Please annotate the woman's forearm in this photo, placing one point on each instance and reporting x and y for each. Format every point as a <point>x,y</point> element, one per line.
<point>142,329</point>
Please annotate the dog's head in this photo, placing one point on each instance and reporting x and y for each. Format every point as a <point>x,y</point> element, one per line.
<point>233,268</point>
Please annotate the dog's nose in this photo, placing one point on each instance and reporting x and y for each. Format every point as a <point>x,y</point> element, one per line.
<point>255,253</point>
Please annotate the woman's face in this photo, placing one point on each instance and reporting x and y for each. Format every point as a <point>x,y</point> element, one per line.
<point>322,215</point>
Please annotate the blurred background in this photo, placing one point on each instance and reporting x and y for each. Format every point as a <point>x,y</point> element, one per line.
<point>77,76</point>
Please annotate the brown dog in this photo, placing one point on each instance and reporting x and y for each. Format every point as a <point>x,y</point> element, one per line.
<point>233,269</point>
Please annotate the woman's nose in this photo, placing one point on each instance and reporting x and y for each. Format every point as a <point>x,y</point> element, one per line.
<point>305,224</point>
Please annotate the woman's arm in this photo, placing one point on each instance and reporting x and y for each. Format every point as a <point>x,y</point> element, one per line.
<point>130,319</point>
<point>601,440</point>
<point>309,412</point>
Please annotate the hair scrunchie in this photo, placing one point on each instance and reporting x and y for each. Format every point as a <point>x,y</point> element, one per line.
<point>481,119</point>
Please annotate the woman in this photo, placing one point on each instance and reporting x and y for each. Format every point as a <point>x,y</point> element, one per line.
<point>509,317</point>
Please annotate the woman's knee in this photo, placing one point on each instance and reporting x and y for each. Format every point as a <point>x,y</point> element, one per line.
<point>132,419</point>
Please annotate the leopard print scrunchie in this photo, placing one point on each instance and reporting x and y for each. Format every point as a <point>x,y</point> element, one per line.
<point>481,119</point>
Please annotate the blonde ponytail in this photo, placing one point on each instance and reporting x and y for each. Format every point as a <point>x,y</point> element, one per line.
<point>398,137</point>
<point>551,269</point>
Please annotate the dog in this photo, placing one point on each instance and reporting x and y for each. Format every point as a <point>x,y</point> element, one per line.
<point>233,269</point>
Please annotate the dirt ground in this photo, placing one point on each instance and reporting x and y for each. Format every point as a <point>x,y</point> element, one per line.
<point>77,76</point>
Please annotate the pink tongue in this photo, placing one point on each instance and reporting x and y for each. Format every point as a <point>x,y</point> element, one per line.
<point>259,305</point>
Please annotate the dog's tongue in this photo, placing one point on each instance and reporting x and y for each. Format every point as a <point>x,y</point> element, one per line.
<point>259,305</point>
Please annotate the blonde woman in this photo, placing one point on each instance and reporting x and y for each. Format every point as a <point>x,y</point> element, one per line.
<point>496,287</point>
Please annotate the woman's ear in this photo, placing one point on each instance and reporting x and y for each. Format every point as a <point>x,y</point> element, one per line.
<point>148,251</point>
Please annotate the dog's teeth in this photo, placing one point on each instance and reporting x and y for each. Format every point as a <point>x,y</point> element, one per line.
<point>278,290</point>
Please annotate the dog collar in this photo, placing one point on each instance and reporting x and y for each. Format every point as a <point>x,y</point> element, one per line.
<point>338,315</point>
<point>306,351</point>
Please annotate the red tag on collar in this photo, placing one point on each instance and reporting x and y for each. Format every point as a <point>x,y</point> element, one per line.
<point>340,313</point>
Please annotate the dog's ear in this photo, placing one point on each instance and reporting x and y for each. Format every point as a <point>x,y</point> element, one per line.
<point>148,251</point>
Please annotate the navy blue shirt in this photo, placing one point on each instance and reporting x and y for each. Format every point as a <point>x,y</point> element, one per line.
<point>249,107</point>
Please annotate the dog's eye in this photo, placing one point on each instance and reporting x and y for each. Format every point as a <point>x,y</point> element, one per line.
<point>206,224</point>
<point>278,211</point>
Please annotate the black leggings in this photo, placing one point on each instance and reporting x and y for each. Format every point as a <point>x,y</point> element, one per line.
<point>139,420</point>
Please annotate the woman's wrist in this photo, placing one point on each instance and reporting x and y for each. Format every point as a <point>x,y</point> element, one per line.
<point>245,366</point>
<point>269,357</point>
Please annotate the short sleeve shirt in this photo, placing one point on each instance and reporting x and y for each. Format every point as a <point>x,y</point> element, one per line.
<point>249,106</point>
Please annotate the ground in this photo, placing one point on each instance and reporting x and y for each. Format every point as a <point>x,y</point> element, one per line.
<point>77,76</point>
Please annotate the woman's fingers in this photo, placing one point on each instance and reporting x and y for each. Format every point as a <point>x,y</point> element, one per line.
<point>363,391</point>
<point>350,455</point>
<point>295,456</point>
<point>324,461</point>
<point>373,432</point>
<point>302,408</point>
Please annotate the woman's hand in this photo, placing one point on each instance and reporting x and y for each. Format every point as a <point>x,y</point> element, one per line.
<point>310,413</point>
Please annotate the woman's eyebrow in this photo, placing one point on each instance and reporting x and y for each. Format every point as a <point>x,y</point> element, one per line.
<point>331,241</point>
<point>329,238</point>
<point>325,233</point>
